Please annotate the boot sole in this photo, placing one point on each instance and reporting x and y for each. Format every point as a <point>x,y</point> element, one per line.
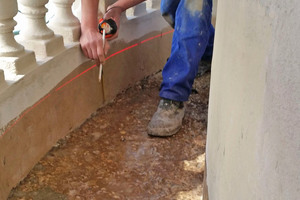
<point>162,133</point>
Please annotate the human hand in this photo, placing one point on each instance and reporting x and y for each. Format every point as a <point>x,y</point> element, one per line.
<point>114,12</point>
<point>92,45</point>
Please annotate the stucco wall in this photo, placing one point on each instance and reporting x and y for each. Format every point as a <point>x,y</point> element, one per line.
<point>253,147</point>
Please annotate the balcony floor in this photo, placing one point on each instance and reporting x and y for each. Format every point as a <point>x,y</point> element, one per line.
<point>111,156</point>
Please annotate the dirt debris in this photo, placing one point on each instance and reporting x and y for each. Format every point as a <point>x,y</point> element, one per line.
<point>111,156</point>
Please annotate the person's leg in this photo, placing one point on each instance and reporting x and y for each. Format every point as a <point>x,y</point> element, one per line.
<point>207,56</point>
<point>190,39</point>
<point>168,10</point>
<point>205,63</point>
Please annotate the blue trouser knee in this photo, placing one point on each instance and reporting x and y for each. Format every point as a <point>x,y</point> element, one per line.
<point>192,39</point>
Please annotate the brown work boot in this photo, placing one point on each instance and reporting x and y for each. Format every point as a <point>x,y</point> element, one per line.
<point>167,120</point>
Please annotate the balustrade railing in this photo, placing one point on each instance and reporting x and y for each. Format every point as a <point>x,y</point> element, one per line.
<point>154,4</point>
<point>64,22</point>
<point>136,11</point>
<point>35,34</point>
<point>38,40</point>
<point>14,60</point>
<point>44,46</point>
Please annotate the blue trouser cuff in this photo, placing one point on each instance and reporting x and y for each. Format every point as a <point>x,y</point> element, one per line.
<point>192,40</point>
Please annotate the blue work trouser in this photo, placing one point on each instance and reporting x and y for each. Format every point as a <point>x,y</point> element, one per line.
<point>192,40</point>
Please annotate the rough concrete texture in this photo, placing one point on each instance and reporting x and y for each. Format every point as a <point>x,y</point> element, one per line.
<point>253,127</point>
<point>111,156</point>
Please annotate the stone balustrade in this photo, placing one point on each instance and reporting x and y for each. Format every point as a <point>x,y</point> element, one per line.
<point>64,22</point>
<point>14,60</point>
<point>154,4</point>
<point>38,44</point>
<point>39,57</point>
<point>136,11</point>
<point>36,35</point>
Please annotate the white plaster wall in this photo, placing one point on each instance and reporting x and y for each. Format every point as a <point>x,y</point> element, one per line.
<point>253,146</point>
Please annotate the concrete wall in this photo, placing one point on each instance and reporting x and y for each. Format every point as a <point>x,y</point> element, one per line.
<point>36,111</point>
<point>253,147</point>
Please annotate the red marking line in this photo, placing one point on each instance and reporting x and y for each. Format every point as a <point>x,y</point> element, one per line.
<point>27,111</point>
<point>160,35</point>
<point>72,79</point>
<point>118,52</point>
<point>134,45</point>
<point>77,76</point>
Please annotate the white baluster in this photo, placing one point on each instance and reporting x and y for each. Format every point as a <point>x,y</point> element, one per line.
<point>76,9</point>
<point>140,9</point>
<point>13,58</point>
<point>137,10</point>
<point>35,34</point>
<point>64,22</point>
<point>130,13</point>
<point>153,4</point>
